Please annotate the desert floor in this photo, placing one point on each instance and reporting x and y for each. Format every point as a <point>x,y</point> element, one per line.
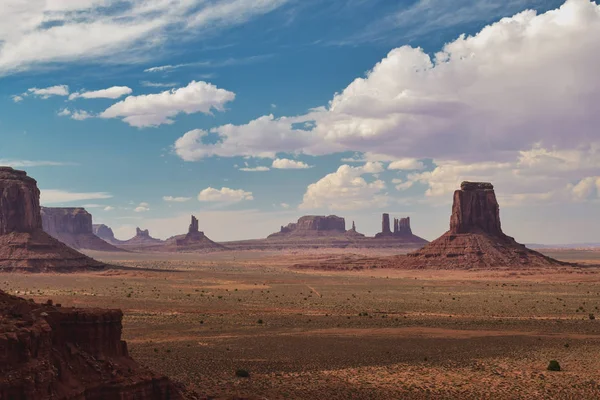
<point>375,334</point>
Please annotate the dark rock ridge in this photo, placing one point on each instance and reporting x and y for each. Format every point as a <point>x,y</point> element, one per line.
<point>24,246</point>
<point>194,240</point>
<point>402,230</point>
<point>73,227</point>
<point>49,352</point>
<point>105,233</point>
<point>313,225</point>
<point>475,238</point>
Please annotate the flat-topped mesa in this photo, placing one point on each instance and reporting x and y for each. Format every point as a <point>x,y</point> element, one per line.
<point>66,220</point>
<point>475,209</point>
<point>19,202</point>
<point>23,243</point>
<point>313,225</point>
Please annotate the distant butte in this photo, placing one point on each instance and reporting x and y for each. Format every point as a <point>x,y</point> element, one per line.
<point>24,246</point>
<point>73,227</point>
<point>194,240</point>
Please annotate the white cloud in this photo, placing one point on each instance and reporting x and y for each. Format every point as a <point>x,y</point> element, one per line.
<point>401,184</point>
<point>482,97</point>
<point>346,189</point>
<point>78,115</point>
<point>255,169</point>
<point>35,33</point>
<point>54,196</point>
<point>285,205</point>
<point>587,188</point>
<point>58,90</point>
<point>142,207</point>
<point>407,164</point>
<point>109,208</point>
<point>172,199</point>
<point>31,164</point>
<point>157,109</point>
<point>158,84</point>
<point>17,98</point>
<point>284,163</point>
<point>225,195</point>
<point>113,92</point>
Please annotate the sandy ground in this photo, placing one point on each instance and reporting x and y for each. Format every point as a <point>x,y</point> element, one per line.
<point>380,334</point>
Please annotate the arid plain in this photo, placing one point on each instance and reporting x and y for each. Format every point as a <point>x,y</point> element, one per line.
<point>375,333</point>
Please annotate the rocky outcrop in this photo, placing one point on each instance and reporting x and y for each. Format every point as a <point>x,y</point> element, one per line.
<point>73,227</point>
<point>49,352</point>
<point>475,238</point>
<point>353,233</point>
<point>24,246</point>
<point>313,225</point>
<point>194,240</point>
<point>19,202</point>
<point>402,231</point>
<point>142,238</point>
<point>105,233</point>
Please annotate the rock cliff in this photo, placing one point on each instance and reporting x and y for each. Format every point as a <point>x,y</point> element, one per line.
<point>475,238</point>
<point>313,225</point>
<point>73,227</point>
<point>105,233</point>
<point>49,352</point>
<point>142,238</point>
<point>23,243</point>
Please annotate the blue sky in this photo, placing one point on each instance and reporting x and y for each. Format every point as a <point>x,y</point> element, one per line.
<point>253,113</point>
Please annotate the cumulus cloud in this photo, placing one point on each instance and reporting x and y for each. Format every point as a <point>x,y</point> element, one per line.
<point>78,115</point>
<point>172,199</point>
<point>113,92</point>
<point>142,207</point>
<point>284,163</point>
<point>406,164</point>
<point>53,196</point>
<point>587,188</point>
<point>224,195</point>
<point>37,33</point>
<point>58,90</point>
<point>346,189</point>
<point>157,109</point>
<point>481,97</point>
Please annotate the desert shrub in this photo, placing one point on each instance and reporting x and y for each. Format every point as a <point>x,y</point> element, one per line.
<point>592,316</point>
<point>260,321</point>
<point>553,366</point>
<point>242,373</point>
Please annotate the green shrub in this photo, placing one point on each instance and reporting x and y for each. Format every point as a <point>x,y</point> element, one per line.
<point>553,366</point>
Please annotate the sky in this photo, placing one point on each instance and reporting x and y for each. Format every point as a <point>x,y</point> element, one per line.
<point>252,113</point>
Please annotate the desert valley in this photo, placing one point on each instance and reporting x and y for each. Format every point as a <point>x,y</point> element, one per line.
<point>472,314</point>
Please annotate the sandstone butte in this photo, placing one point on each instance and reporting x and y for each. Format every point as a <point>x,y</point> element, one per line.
<point>193,240</point>
<point>73,227</point>
<point>402,231</point>
<point>105,233</point>
<point>474,241</point>
<point>50,352</point>
<point>142,240</point>
<point>24,246</point>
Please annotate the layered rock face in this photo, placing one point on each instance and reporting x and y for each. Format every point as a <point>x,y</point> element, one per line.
<point>73,226</point>
<point>313,225</point>
<point>105,233</point>
<point>49,352</point>
<point>475,238</point>
<point>23,243</point>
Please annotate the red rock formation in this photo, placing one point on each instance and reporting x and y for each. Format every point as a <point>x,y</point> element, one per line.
<point>475,238</point>
<point>105,233</point>
<point>23,243</point>
<point>73,227</point>
<point>313,225</point>
<point>194,240</point>
<point>402,231</point>
<point>142,238</point>
<point>51,352</point>
<point>385,224</point>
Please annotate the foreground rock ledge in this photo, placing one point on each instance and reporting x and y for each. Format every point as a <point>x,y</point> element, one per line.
<point>49,352</point>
